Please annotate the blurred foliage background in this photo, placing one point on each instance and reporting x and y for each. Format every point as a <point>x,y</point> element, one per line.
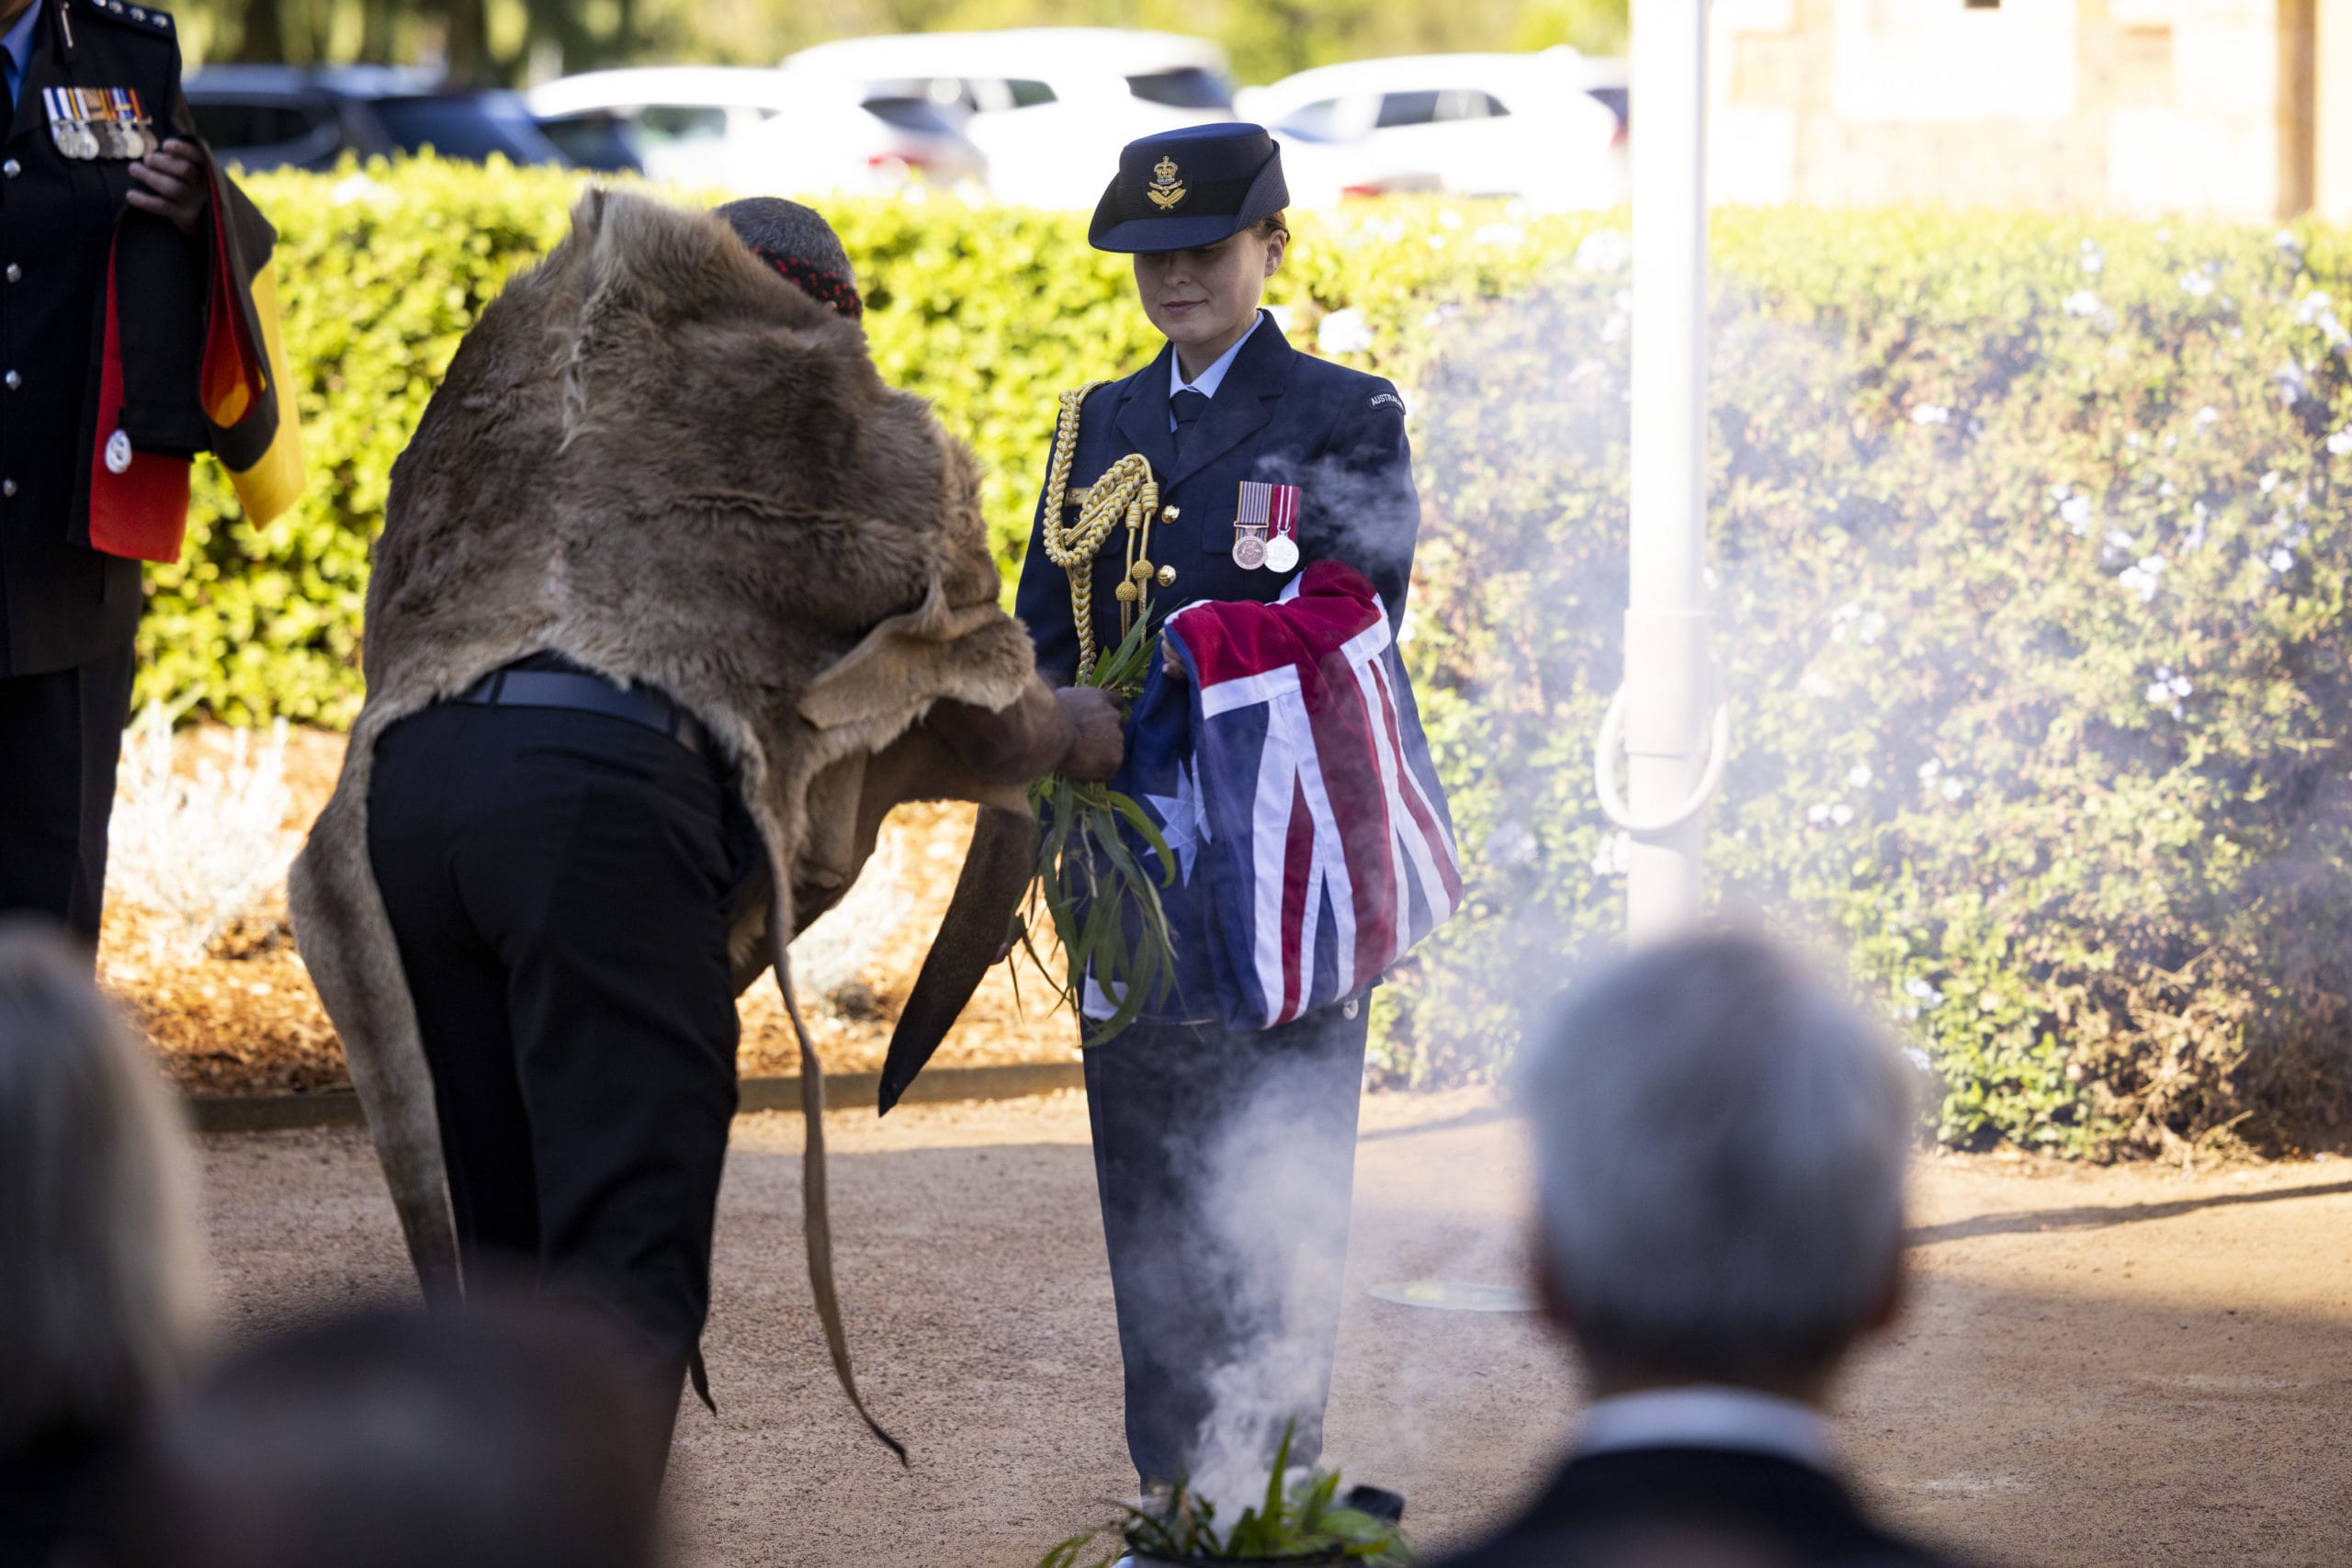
<point>2031,534</point>
<point>508,40</point>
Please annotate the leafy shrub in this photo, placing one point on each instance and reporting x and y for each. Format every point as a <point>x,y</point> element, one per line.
<point>2031,568</point>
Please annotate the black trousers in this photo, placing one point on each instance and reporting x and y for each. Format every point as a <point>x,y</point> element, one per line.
<point>1225,1163</point>
<point>61,737</point>
<point>557,881</point>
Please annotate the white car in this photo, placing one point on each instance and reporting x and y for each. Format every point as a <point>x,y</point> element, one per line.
<point>1049,106</point>
<point>1520,124</point>
<point>752,131</point>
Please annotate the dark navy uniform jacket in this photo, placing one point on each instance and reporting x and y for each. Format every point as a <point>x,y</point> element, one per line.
<point>1279,417</point>
<point>63,605</point>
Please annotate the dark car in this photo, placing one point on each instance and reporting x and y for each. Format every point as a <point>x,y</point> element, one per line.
<point>282,117</point>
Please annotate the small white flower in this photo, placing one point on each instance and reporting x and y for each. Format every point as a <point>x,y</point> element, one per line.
<point>2092,258</point>
<point>2076,511</point>
<point>2340,444</point>
<point>1859,775</point>
<point>1450,218</point>
<point>2285,240</point>
<point>1616,856</point>
<point>1817,813</point>
<point>2269,481</point>
<point>1506,234</point>
<point>2159,693</point>
<point>2282,560</point>
<point>1930,769</point>
<point>1604,249</point>
<point>2181,685</point>
<point>2308,308</point>
<point>2060,493</point>
<point>1437,241</point>
<point>2195,285</point>
<point>1917,1058</point>
<point>1841,813</point>
<point>1953,789</point>
<point>2083,302</point>
<point>2120,539</point>
<point>1931,414</point>
<point>1343,332</point>
<point>2166,490</point>
<point>1873,627</point>
<point>1925,995</point>
<point>2208,416</point>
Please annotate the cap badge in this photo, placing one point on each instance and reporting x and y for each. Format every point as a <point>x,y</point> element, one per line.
<point>1167,187</point>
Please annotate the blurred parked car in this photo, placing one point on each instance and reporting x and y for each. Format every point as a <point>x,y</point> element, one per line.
<point>1538,126</point>
<point>753,133</point>
<point>281,117</point>
<point>1050,106</point>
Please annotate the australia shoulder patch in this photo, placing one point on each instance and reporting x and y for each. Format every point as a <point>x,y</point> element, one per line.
<point>1388,401</point>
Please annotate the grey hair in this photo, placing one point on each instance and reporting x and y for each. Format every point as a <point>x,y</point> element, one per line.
<point>1721,1142</point>
<point>101,1290</point>
<point>787,228</point>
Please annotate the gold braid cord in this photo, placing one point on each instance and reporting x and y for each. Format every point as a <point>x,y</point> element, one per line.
<point>1126,493</point>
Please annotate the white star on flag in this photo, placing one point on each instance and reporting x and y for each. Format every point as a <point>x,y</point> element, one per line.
<point>1181,819</point>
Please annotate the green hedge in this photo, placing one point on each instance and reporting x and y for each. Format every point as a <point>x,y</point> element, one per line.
<point>2030,551</point>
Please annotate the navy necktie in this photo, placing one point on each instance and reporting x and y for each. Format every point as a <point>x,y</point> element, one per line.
<point>1187,406</point>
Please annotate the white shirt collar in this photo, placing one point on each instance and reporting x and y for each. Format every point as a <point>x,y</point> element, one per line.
<point>1709,1416</point>
<point>1213,377</point>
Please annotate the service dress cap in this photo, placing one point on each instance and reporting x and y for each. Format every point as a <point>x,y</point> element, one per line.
<point>1190,188</point>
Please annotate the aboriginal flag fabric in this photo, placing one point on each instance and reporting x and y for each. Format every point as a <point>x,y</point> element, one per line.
<point>1289,775</point>
<point>165,391</point>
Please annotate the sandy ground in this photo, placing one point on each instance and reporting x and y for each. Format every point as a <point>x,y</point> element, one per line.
<point>2120,1366</point>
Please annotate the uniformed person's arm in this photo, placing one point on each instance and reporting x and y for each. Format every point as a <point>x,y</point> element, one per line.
<point>1371,512</point>
<point>169,182</point>
<point>1042,601</point>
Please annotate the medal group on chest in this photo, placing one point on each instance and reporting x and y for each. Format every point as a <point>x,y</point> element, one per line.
<point>100,123</point>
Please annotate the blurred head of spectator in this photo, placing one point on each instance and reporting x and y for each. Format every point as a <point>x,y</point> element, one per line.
<point>799,244</point>
<point>100,1289</point>
<point>494,1437</point>
<point>1720,1141</point>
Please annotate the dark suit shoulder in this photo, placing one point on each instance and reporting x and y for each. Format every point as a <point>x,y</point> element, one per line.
<point>141,20</point>
<point>1620,1510</point>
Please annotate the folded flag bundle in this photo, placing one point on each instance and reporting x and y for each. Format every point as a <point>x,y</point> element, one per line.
<point>1288,775</point>
<point>190,360</point>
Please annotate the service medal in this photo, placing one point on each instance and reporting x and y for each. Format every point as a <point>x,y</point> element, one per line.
<point>1248,550</point>
<point>1268,513</point>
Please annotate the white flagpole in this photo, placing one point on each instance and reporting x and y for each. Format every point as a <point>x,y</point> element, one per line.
<point>1667,715</point>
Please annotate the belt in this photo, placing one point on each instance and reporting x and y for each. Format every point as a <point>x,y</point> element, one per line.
<point>589,693</point>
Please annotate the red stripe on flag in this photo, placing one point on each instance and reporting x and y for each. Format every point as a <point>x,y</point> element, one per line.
<point>1407,789</point>
<point>1351,769</point>
<point>1298,856</point>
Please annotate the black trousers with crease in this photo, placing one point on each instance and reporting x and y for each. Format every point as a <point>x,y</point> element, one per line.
<point>1224,1162</point>
<point>61,738</point>
<point>559,884</point>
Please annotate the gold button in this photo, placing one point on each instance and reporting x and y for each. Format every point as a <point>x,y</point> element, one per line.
<point>1168,514</point>
<point>1168,577</point>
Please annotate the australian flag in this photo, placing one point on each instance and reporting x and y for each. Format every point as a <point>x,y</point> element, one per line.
<point>1288,773</point>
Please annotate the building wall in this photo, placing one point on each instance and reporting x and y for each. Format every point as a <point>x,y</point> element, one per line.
<point>2141,107</point>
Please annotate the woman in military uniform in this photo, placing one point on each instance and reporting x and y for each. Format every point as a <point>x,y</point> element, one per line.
<point>1266,460</point>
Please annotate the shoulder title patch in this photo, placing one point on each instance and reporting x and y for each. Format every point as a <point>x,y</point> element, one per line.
<point>1388,398</point>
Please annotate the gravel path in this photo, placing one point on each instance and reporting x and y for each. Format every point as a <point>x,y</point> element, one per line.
<point>2122,1366</point>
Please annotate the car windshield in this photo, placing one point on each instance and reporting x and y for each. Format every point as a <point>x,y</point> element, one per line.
<point>1317,121</point>
<point>464,125</point>
<point>1187,87</point>
<point>911,114</point>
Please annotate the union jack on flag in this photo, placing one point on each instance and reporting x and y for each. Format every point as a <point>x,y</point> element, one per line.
<point>1289,777</point>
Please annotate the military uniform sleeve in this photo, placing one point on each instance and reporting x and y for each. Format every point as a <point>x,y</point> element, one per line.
<point>1042,601</point>
<point>1362,504</point>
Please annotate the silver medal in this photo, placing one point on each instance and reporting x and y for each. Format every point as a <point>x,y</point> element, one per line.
<point>1248,551</point>
<point>1281,553</point>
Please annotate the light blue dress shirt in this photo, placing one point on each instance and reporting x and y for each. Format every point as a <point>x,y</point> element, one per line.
<point>19,45</point>
<point>1213,377</point>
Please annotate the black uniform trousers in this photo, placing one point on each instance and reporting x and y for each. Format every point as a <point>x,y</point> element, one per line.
<point>1226,1163</point>
<point>558,881</point>
<point>61,735</point>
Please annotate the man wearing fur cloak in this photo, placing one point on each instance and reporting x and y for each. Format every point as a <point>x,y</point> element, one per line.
<point>675,599</point>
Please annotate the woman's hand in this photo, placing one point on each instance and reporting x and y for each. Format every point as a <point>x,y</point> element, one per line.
<point>169,183</point>
<point>1097,743</point>
<point>1169,661</point>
